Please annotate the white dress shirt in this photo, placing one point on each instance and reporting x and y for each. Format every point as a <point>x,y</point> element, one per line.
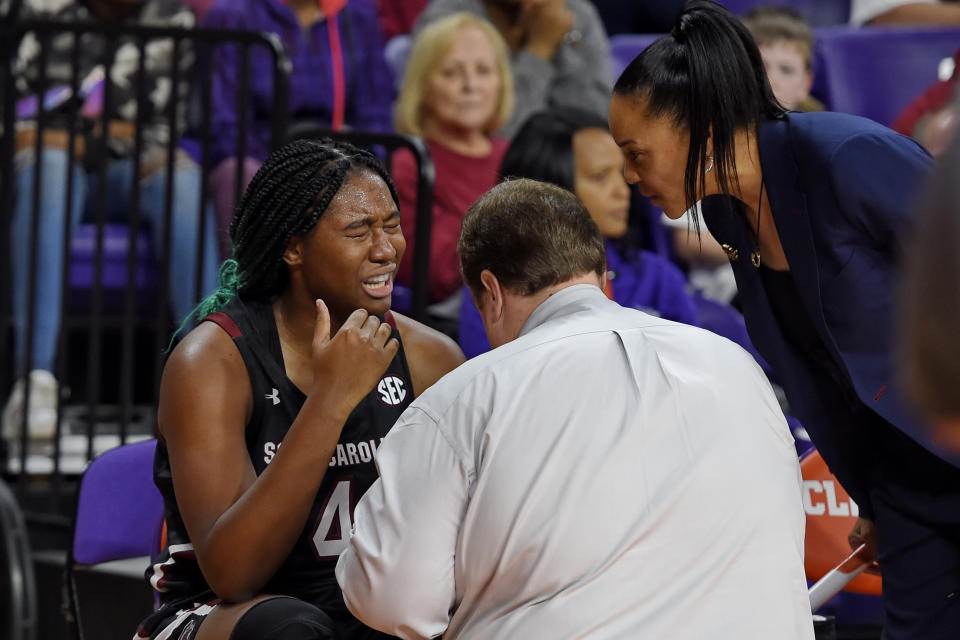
<point>608,474</point>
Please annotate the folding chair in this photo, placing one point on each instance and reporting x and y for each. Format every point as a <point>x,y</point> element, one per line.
<point>18,596</point>
<point>118,518</point>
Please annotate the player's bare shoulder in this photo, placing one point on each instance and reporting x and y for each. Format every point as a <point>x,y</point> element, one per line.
<point>204,366</point>
<point>430,354</point>
<point>206,346</point>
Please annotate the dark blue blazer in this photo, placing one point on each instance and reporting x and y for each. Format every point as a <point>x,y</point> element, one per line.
<point>842,190</point>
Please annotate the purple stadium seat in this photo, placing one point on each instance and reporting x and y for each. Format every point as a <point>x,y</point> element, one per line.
<point>116,241</point>
<point>402,299</point>
<point>876,72</point>
<point>119,517</point>
<point>471,334</point>
<point>819,13</point>
<point>119,508</point>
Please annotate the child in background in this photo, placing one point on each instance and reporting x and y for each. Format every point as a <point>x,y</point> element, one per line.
<point>785,40</point>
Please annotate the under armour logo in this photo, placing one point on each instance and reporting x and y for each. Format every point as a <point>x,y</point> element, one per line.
<point>275,396</point>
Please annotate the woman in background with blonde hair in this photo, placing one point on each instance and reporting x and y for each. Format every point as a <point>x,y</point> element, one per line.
<point>456,92</point>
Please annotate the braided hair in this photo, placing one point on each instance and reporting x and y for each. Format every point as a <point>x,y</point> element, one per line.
<point>286,198</point>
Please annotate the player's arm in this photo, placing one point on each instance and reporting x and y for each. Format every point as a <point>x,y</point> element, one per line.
<point>430,354</point>
<point>242,526</point>
<point>397,574</point>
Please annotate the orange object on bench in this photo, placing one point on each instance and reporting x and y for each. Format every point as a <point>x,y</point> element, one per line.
<point>831,515</point>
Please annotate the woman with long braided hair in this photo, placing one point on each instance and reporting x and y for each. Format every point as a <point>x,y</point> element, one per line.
<point>254,529</point>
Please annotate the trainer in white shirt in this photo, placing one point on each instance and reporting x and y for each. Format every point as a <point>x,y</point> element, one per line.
<point>602,474</point>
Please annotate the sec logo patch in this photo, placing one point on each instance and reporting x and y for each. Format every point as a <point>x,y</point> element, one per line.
<point>392,390</point>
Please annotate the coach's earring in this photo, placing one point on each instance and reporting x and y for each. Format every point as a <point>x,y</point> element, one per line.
<point>709,165</point>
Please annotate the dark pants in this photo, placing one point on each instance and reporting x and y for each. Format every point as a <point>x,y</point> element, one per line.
<point>916,503</point>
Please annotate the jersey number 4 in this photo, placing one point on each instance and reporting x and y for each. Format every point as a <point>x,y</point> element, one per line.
<point>332,532</point>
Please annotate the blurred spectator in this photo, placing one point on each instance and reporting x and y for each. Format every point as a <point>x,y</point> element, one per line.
<point>708,267</point>
<point>573,149</point>
<point>200,7</point>
<point>892,12</point>
<point>930,301</point>
<point>931,116</point>
<point>397,17</point>
<point>339,79</point>
<point>638,17</point>
<point>559,51</point>
<point>457,91</point>
<point>53,208</point>
<point>785,40</point>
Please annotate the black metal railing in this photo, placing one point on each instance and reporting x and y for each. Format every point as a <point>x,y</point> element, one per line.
<point>111,350</point>
<point>18,597</point>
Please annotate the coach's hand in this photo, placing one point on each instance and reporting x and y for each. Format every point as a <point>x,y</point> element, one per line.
<point>348,365</point>
<point>865,532</point>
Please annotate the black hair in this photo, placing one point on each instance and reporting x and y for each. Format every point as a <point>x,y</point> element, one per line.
<point>284,199</point>
<point>543,147</point>
<point>708,76</point>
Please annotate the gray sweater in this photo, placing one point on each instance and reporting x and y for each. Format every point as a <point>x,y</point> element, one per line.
<point>577,76</point>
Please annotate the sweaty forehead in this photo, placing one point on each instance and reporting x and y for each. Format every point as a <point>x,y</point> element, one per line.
<point>363,193</point>
<point>626,114</point>
<point>631,121</point>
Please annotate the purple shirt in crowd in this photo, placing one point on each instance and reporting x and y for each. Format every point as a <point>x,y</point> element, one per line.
<point>369,83</point>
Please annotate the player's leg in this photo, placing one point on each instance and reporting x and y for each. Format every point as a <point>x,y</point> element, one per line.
<point>53,211</point>
<point>266,618</point>
<point>54,214</point>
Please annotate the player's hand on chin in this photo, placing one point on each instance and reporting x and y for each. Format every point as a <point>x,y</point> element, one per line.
<point>348,365</point>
